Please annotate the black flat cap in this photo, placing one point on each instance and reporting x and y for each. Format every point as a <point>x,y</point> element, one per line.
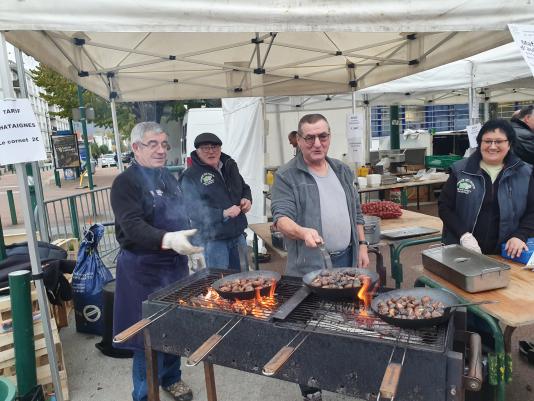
<point>207,138</point>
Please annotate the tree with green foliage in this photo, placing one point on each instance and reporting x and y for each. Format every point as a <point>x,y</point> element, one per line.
<point>95,150</point>
<point>63,93</point>
<point>103,149</point>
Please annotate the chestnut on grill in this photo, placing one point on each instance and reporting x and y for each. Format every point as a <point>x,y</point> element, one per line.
<point>244,285</point>
<point>409,307</point>
<point>335,279</point>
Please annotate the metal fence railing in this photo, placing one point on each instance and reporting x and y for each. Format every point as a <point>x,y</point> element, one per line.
<point>67,217</point>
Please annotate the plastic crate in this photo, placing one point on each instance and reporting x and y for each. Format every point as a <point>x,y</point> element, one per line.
<point>441,161</point>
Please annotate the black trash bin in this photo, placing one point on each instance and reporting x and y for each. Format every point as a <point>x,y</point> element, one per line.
<point>106,345</point>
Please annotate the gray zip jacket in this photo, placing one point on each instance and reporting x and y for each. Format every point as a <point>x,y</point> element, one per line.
<point>295,195</point>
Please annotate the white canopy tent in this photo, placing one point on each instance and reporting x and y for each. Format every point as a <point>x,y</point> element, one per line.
<point>501,74</point>
<point>176,50</point>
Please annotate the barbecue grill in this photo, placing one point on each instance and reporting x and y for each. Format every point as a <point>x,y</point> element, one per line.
<point>340,348</point>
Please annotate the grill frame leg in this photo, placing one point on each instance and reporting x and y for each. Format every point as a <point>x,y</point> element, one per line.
<point>209,376</point>
<point>151,369</point>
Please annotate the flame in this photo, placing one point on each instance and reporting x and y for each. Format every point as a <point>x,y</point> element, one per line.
<point>259,306</point>
<point>364,295</point>
<point>273,288</point>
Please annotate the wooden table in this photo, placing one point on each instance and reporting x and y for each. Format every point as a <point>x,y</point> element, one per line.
<point>278,256</point>
<point>408,219</point>
<point>515,309</point>
<point>516,302</point>
<point>402,186</point>
<point>411,219</point>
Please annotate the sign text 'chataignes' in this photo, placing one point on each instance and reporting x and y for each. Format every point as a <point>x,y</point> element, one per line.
<point>20,136</point>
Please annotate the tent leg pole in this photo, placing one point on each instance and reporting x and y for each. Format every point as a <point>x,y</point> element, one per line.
<point>36,270</point>
<point>7,86</point>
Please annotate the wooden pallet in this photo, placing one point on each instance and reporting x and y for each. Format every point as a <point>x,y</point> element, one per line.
<point>71,245</point>
<point>7,351</point>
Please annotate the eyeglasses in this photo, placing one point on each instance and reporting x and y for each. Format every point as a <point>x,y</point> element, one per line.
<point>153,145</point>
<point>310,139</point>
<point>207,148</point>
<point>496,142</point>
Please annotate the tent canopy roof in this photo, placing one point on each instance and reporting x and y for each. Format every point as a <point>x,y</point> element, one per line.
<point>191,50</point>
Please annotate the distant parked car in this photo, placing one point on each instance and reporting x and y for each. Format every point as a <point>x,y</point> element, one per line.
<point>107,160</point>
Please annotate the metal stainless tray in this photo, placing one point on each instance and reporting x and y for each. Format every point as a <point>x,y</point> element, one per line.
<point>401,233</point>
<point>466,269</point>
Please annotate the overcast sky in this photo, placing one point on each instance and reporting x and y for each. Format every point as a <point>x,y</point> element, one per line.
<point>29,62</point>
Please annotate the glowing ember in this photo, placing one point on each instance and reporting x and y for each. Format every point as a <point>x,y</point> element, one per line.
<point>259,306</point>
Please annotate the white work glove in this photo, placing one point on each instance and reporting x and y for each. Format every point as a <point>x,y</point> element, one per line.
<point>470,242</point>
<point>178,242</point>
<point>197,261</point>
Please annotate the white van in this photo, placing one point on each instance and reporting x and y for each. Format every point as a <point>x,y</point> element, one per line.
<point>197,121</point>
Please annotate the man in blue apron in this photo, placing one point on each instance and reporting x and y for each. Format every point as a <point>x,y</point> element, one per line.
<point>152,229</point>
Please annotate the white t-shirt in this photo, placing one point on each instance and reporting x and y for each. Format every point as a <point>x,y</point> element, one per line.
<point>335,218</point>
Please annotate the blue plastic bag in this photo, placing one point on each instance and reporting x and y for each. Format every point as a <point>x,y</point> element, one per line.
<point>88,279</point>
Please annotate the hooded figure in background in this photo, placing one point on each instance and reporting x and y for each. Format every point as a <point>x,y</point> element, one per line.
<point>152,228</point>
<point>221,198</point>
<point>523,124</point>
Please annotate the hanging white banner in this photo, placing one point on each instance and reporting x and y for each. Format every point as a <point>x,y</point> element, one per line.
<point>524,38</point>
<point>20,136</point>
<point>355,135</point>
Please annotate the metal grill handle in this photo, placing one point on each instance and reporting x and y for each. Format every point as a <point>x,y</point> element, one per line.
<point>390,382</point>
<point>282,356</point>
<point>473,378</point>
<point>132,330</point>
<point>278,361</point>
<point>200,353</point>
<point>203,350</point>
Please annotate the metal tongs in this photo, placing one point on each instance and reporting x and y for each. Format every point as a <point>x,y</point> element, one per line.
<point>326,255</point>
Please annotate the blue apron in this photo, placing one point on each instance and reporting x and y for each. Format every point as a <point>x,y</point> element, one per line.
<point>140,273</point>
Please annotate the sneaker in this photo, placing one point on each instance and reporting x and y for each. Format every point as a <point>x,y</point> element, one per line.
<point>180,391</point>
<point>317,396</point>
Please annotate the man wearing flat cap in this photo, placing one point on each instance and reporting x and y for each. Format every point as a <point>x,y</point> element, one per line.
<point>220,198</point>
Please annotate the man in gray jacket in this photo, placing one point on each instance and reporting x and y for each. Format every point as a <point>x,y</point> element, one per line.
<point>313,202</point>
<point>523,124</point>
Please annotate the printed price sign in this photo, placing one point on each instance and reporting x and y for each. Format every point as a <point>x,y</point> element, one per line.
<point>20,136</point>
<point>355,133</point>
<point>524,38</point>
<point>472,132</point>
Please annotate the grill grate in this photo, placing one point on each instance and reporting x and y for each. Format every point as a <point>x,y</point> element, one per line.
<point>193,294</point>
<point>344,318</point>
